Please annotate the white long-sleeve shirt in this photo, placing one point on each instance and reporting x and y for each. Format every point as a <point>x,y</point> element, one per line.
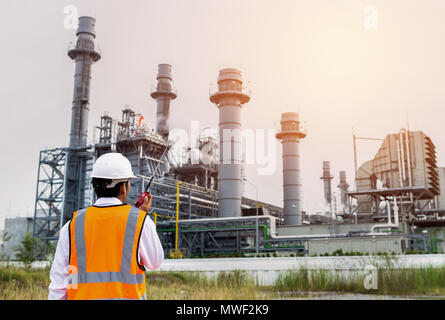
<point>151,253</point>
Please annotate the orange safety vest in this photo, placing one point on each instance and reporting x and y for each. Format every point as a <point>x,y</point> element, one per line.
<point>104,263</point>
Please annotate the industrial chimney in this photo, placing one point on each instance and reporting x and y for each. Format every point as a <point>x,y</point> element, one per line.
<point>326,177</point>
<point>84,54</point>
<point>163,94</point>
<point>343,186</point>
<point>290,136</point>
<point>229,99</point>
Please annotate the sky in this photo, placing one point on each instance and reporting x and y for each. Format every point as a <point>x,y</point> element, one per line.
<point>320,58</point>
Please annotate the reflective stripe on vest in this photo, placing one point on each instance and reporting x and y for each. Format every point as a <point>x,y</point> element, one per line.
<point>142,298</point>
<point>124,276</point>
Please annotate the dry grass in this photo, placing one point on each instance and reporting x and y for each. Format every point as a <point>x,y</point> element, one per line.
<point>22,284</point>
<point>194,286</point>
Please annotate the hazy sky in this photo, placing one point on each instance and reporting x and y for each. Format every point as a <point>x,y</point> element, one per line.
<point>314,57</point>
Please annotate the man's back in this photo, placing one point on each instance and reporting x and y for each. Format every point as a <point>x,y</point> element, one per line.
<point>108,246</point>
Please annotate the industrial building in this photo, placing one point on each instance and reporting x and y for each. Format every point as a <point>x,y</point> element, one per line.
<point>395,206</point>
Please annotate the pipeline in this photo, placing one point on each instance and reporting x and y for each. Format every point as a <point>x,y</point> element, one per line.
<point>265,229</point>
<point>389,224</point>
<point>265,232</point>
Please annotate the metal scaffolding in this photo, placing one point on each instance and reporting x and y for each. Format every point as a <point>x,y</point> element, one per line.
<point>60,192</point>
<point>412,202</point>
<point>49,194</point>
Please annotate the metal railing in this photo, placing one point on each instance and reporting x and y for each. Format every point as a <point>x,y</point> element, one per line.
<point>214,89</point>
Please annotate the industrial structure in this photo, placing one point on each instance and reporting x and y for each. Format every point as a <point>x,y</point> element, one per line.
<point>343,186</point>
<point>290,136</point>
<point>326,177</point>
<point>207,186</point>
<point>404,169</point>
<point>229,99</point>
<point>198,206</point>
<point>63,182</point>
<point>163,94</point>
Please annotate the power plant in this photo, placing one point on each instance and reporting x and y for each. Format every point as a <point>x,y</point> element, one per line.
<point>398,203</point>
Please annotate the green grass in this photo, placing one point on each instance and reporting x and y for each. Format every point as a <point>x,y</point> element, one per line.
<point>198,286</point>
<point>421,281</point>
<point>425,280</point>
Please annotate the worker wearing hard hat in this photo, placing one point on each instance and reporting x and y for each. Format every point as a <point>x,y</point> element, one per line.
<point>103,251</point>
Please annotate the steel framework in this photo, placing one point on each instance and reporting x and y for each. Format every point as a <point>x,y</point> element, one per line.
<point>202,237</point>
<point>412,202</point>
<point>49,193</point>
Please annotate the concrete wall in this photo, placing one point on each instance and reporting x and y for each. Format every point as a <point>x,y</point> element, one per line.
<point>16,228</point>
<point>266,270</point>
<point>321,229</point>
<point>386,244</point>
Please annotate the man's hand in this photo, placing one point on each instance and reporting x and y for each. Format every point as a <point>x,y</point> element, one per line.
<point>147,204</point>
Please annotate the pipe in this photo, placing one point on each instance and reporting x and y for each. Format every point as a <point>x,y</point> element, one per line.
<point>402,155</point>
<point>156,218</point>
<point>355,159</point>
<point>265,230</point>
<point>177,218</point>
<point>388,209</point>
<point>399,162</point>
<point>272,222</point>
<point>408,155</point>
<point>389,224</point>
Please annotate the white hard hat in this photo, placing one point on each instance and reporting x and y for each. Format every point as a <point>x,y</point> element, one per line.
<point>112,166</point>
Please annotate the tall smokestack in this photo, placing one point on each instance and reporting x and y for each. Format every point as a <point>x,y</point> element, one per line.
<point>326,177</point>
<point>343,186</point>
<point>84,54</point>
<point>163,94</point>
<point>290,136</point>
<point>229,99</point>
